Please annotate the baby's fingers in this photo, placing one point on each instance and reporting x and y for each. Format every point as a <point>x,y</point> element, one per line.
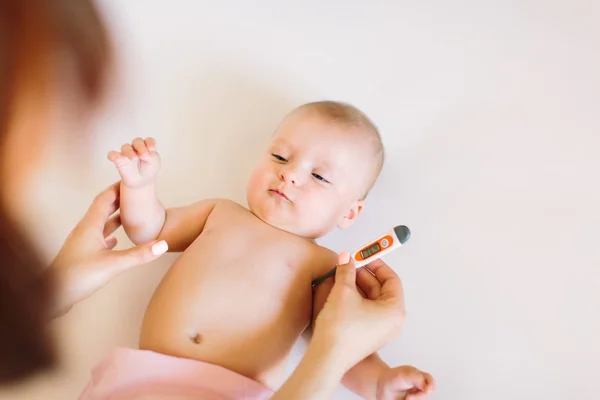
<point>139,145</point>
<point>429,383</point>
<point>150,144</point>
<point>424,387</point>
<point>116,158</point>
<point>415,396</point>
<point>127,151</point>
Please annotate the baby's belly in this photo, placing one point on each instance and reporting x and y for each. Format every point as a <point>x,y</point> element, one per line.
<point>234,315</point>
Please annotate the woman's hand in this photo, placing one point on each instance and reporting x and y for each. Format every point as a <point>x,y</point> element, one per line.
<point>358,324</point>
<point>361,314</point>
<point>87,261</point>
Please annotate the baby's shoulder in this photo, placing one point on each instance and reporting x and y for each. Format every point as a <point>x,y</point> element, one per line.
<point>224,202</point>
<point>321,260</point>
<point>229,206</point>
<point>218,211</point>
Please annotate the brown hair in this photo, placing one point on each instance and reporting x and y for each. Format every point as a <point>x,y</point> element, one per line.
<point>32,32</point>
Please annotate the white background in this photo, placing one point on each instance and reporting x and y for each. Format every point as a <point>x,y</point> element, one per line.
<point>490,115</point>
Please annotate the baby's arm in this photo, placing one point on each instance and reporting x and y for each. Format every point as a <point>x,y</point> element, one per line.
<point>143,216</point>
<point>142,213</point>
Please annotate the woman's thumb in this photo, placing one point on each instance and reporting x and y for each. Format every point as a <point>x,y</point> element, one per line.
<point>140,254</point>
<point>346,272</point>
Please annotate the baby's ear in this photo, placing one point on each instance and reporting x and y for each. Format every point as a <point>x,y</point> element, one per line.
<point>354,211</point>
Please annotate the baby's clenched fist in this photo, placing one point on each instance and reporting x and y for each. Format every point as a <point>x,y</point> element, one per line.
<point>138,163</point>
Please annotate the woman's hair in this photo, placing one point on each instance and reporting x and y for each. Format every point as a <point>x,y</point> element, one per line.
<point>32,35</point>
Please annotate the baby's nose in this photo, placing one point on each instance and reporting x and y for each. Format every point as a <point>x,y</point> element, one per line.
<point>290,175</point>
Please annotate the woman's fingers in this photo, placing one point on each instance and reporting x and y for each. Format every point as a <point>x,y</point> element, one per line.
<point>343,258</point>
<point>345,271</point>
<point>103,206</point>
<point>368,283</point>
<point>112,225</point>
<point>360,291</point>
<point>111,243</point>
<point>391,285</point>
<point>138,255</point>
<point>115,199</point>
<point>345,274</point>
<point>381,270</point>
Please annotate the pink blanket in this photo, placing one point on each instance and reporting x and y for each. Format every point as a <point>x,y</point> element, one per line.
<point>130,374</point>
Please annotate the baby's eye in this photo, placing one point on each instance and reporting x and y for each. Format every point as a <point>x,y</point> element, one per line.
<point>278,157</point>
<point>319,177</point>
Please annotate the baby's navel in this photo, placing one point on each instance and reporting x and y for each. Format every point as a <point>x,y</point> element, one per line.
<point>197,338</point>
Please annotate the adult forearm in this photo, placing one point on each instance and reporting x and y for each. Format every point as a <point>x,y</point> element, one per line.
<point>316,377</point>
<point>142,214</point>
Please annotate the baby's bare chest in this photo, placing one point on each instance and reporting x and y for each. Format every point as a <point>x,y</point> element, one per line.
<point>248,267</point>
<point>236,241</point>
<point>240,288</point>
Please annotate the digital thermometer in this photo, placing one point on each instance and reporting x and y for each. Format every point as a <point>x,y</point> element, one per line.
<point>377,248</point>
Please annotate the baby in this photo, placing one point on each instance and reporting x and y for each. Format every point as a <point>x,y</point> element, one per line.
<point>239,296</point>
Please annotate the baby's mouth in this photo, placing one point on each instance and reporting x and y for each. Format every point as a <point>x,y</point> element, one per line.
<point>279,194</point>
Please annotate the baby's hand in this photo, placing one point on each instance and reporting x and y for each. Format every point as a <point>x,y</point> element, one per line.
<point>137,163</point>
<point>404,380</point>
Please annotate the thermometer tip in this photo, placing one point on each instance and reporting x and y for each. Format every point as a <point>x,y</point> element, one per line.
<point>403,233</point>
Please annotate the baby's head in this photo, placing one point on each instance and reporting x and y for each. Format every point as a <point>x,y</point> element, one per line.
<point>322,161</point>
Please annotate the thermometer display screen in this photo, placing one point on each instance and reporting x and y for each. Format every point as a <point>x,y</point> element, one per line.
<point>369,251</point>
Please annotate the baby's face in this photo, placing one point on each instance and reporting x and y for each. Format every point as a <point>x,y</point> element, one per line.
<point>311,177</point>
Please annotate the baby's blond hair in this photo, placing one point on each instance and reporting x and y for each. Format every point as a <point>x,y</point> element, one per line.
<point>347,114</point>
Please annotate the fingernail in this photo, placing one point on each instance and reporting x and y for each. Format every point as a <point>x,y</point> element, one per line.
<point>159,248</point>
<point>344,258</point>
